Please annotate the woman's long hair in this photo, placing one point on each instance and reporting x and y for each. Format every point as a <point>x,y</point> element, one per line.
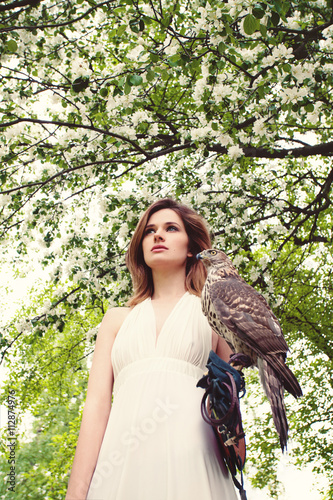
<point>199,240</point>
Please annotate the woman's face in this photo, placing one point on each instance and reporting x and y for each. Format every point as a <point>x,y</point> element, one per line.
<point>165,242</point>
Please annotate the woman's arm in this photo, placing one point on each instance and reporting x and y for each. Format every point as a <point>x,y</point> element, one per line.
<point>97,406</point>
<point>221,348</point>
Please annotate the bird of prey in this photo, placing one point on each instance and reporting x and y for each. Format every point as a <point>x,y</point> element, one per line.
<point>241,315</point>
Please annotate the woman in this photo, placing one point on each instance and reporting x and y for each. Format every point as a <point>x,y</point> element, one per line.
<point>154,444</point>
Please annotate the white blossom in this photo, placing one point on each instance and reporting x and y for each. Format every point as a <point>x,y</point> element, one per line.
<point>200,133</point>
<point>80,68</point>
<point>78,276</point>
<point>171,48</point>
<point>200,196</point>
<point>123,231</point>
<point>293,94</point>
<point>302,72</point>
<point>224,139</point>
<point>199,89</point>
<point>279,52</point>
<point>92,332</point>
<point>4,199</point>
<point>235,152</point>
<point>136,52</point>
<point>125,131</point>
<point>237,260</point>
<point>294,21</point>
<point>254,274</point>
<point>220,91</point>
<point>259,127</point>
<point>153,129</point>
<point>23,326</point>
<point>139,117</point>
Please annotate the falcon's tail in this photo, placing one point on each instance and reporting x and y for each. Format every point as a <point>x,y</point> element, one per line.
<point>288,379</point>
<point>274,391</point>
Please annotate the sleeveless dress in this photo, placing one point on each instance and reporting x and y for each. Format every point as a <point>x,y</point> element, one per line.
<point>156,445</point>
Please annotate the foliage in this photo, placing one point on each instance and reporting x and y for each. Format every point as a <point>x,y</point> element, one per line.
<point>43,461</point>
<point>48,375</point>
<point>225,105</point>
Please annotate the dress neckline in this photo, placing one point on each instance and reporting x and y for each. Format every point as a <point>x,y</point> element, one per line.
<point>167,319</point>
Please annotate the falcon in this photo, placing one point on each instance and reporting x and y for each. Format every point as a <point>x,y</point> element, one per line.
<point>241,315</point>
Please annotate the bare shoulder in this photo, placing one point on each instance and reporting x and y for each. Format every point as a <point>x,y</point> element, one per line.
<point>117,313</point>
<point>112,321</point>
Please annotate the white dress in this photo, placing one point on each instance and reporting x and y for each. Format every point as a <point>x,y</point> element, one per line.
<point>156,445</point>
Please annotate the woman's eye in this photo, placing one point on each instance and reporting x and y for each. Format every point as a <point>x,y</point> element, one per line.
<point>172,228</point>
<point>149,231</point>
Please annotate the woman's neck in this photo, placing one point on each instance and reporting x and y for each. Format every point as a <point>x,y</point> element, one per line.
<point>168,286</point>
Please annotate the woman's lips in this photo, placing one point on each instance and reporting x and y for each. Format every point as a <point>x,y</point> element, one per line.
<point>158,248</point>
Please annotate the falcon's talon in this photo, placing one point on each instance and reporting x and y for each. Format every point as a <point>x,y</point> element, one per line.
<point>240,359</point>
<point>237,367</point>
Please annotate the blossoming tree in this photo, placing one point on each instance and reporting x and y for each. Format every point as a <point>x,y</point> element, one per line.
<point>225,105</point>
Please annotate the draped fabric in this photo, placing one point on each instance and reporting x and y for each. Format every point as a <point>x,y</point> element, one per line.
<point>156,445</point>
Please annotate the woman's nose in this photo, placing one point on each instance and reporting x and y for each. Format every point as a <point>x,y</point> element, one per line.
<point>158,236</point>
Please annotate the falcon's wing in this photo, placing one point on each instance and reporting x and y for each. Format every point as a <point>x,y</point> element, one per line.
<point>246,313</point>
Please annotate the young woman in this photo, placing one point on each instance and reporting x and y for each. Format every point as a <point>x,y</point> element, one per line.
<point>154,444</point>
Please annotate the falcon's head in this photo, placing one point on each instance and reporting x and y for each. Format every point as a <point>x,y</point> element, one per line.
<point>215,258</point>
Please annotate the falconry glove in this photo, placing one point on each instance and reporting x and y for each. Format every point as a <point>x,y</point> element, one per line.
<point>224,386</point>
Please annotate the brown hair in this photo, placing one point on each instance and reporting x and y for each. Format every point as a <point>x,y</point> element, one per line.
<point>199,240</point>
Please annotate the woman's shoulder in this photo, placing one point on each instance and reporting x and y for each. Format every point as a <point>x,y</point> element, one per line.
<point>113,319</point>
<point>117,315</point>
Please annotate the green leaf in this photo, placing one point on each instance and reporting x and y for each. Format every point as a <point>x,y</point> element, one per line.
<point>165,75</point>
<point>258,12</point>
<point>80,83</point>
<point>134,25</point>
<point>150,75</point>
<point>251,24</point>
<point>275,18</point>
<point>174,60</point>
<point>127,88</point>
<point>112,34</point>
<point>121,81</point>
<point>136,80</point>
<point>221,48</point>
<point>263,29</point>
<point>154,57</point>
<point>11,46</point>
<point>278,4</point>
<point>104,92</point>
<point>121,30</point>
<point>165,21</point>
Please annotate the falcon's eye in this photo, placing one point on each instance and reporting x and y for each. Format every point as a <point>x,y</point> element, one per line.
<point>213,252</point>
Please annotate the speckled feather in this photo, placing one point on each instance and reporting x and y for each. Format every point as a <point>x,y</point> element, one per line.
<point>239,314</point>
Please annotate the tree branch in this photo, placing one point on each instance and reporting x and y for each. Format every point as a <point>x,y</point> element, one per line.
<point>325,149</point>
<point>76,125</point>
<point>19,3</point>
<point>54,25</point>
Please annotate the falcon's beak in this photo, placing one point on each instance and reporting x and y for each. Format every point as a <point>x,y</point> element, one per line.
<point>204,257</point>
